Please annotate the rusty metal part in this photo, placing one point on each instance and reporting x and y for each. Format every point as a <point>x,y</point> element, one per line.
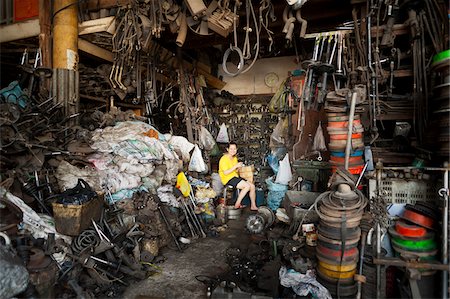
<point>10,217</point>
<point>409,264</point>
<point>43,272</point>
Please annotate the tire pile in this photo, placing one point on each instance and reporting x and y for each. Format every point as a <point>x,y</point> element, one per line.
<point>340,213</point>
<point>338,123</point>
<point>413,234</point>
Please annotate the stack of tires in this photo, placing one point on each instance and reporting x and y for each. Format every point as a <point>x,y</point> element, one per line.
<point>339,233</point>
<point>338,130</point>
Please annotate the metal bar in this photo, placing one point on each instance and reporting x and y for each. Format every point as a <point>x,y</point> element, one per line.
<point>412,167</point>
<point>412,265</point>
<point>378,266</point>
<point>445,237</point>
<point>348,146</point>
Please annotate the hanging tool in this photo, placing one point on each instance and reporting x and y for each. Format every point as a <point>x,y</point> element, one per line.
<point>310,66</point>
<point>339,73</point>
<point>326,68</point>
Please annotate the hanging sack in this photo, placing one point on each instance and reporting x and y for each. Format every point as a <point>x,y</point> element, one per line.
<point>319,140</point>
<point>222,137</point>
<point>183,184</point>
<point>205,139</point>
<point>284,174</point>
<point>197,164</point>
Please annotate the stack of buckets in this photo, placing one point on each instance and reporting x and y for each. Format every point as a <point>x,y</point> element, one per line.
<point>338,237</point>
<point>338,131</point>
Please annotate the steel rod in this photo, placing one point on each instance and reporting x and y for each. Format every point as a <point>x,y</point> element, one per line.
<point>348,146</point>
<point>412,265</point>
<point>445,236</point>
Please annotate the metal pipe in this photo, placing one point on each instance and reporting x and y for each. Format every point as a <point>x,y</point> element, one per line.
<point>348,146</point>
<point>378,236</point>
<point>378,265</point>
<point>445,193</point>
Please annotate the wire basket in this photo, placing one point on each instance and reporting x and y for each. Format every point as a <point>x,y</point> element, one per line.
<point>404,190</point>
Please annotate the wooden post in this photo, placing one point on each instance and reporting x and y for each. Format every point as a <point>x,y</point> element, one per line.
<point>65,34</point>
<point>45,23</point>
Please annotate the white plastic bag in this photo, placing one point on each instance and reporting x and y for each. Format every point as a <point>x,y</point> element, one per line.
<point>222,137</point>
<point>197,164</point>
<point>284,174</point>
<point>205,139</point>
<point>319,140</point>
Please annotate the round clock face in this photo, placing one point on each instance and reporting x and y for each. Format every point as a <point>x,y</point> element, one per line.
<point>271,79</point>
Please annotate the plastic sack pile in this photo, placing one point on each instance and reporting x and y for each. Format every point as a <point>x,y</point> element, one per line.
<point>131,156</point>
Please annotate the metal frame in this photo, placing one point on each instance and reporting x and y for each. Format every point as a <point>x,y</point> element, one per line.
<point>443,266</point>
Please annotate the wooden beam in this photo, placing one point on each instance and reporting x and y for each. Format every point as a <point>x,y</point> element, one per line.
<point>45,40</point>
<point>99,25</point>
<point>99,4</point>
<point>19,30</point>
<point>31,28</point>
<point>95,50</point>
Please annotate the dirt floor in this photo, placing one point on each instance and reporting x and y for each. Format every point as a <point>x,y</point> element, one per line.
<point>205,256</point>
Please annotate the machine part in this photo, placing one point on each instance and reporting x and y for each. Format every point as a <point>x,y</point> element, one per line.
<point>9,113</point>
<point>417,218</point>
<point>345,290</point>
<point>409,230</point>
<point>420,255</point>
<point>182,32</point>
<point>335,232</point>
<point>86,239</point>
<point>196,8</point>
<point>422,245</point>
<point>337,274</point>
<point>424,208</point>
<point>256,223</point>
<point>43,272</point>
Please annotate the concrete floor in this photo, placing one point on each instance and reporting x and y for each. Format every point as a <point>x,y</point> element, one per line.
<point>202,257</point>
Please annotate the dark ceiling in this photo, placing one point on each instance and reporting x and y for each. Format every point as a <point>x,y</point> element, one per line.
<point>322,15</point>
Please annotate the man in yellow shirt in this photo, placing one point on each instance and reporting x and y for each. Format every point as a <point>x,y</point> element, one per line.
<point>228,172</point>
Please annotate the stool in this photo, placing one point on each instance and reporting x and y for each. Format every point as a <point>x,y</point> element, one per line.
<point>227,190</point>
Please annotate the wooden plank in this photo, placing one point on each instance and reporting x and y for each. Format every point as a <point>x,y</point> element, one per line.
<point>99,25</point>
<point>31,28</point>
<point>95,50</point>
<point>19,30</point>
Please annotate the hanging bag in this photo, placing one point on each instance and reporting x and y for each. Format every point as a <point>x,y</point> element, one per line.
<point>284,174</point>
<point>222,137</point>
<point>197,163</point>
<point>319,140</point>
<point>206,140</point>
